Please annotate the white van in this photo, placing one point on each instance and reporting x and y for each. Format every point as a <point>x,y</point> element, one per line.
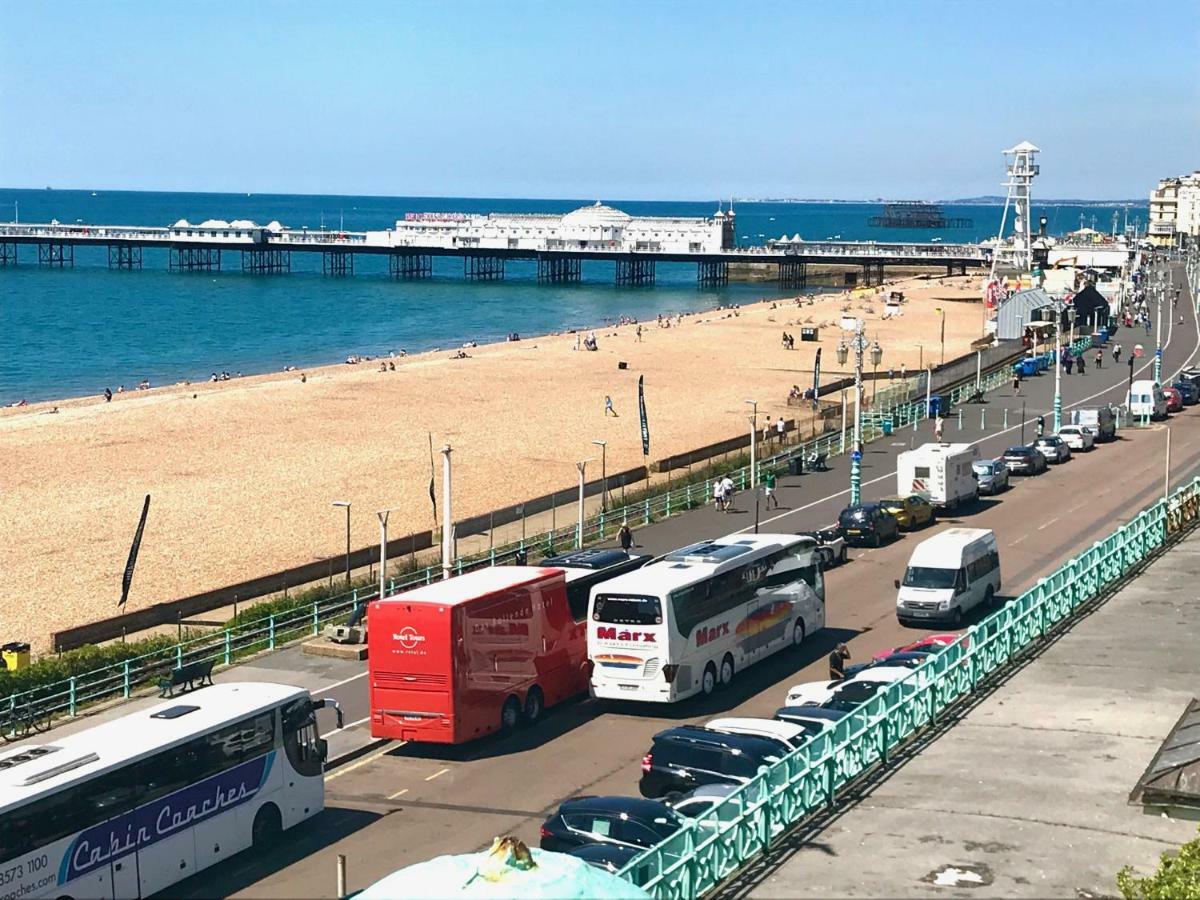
<point>1146,399</point>
<point>949,574</point>
<point>943,474</point>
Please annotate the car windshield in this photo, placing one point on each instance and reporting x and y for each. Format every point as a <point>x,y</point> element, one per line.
<point>984,468</point>
<point>1016,451</point>
<point>854,514</point>
<point>933,579</point>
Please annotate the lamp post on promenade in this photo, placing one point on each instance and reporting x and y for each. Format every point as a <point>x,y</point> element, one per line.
<point>447,518</point>
<point>603,445</point>
<point>582,467</point>
<point>346,505</point>
<point>859,344</point>
<point>383,520</point>
<point>1057,381</point>
<point>753,443</point>
<point>1158,331</point>
<point>942,314</point>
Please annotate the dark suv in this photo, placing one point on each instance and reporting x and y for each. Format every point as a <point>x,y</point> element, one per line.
<point>688,756</point>
<point>868,524</point>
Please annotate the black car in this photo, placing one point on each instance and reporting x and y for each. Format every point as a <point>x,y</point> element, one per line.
<point>907,658</point>
<point>831,544</point>
<point>868,524</point>
<point>622,821</point>
<point>1026,460</point>
<point>688,756</point>
<point>1188,391</point>
<point>854,694</point>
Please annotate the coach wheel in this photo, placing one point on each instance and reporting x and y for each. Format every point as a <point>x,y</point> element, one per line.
<point>267,827</point>
<point>958,617</point>
<point>989,597</point>
<point>708,682</point>
<point>535,704</point>
<point>510,714</point>
<point>843,555</point>
<point>727,670</point>
<point>798,633</point>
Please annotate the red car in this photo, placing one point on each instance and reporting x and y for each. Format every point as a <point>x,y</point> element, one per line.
<point>1174,399</point>
<point>930,642</point>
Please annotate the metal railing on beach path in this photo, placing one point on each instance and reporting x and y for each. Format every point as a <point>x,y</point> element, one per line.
<point>893,410</point>
<point>709,850</point>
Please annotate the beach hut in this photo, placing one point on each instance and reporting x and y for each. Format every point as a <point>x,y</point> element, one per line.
<point>1018,310</point>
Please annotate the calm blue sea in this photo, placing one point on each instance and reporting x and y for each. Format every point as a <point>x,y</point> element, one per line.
<point>71,332</point>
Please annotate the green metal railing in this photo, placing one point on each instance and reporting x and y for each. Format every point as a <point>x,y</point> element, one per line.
<point>227,645</point>
<point>709,849</point>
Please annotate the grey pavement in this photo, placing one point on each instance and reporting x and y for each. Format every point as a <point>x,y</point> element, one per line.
<point>1027,795</point>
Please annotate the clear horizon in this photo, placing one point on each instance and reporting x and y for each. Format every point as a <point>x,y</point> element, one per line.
<point>641,102</point>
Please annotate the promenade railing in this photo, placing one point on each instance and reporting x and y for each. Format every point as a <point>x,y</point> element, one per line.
<point>225,646</point>
<point>710,849</point>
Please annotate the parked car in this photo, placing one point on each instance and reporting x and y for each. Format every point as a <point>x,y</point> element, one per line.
<point>1174,399</point>
<point>812,717</point>
<point>931,643</point>
<point>909,659</point>
<point>624,821</point>
<point>696,803</point>
<point>992,475</point>
<point>687,756</point>
<point>855,693</point>
<point>1054,448</point>
<point>817,693</point>
<point>868,524</point>
<point>831,544</point>
<point>785,734</point>
<point>1026,460</point>
<point>911,512</point>
<point>611,858</point>
<point>1189,390</point>
<point>1078,437</point>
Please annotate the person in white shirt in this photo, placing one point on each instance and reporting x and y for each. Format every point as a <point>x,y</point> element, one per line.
<point>727,491</point>
<point>718,490</point>
<point>780,428</point>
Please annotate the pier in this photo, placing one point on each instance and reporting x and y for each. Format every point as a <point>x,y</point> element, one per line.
<point>558,244</point>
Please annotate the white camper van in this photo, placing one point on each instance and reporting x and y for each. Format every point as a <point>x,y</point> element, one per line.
<point>1146,399</point>
<point>941,473</point>
<point>948,575</point>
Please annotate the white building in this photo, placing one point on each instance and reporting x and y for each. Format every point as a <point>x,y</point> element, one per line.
<point>595,228</point>
<point>1175,210</point>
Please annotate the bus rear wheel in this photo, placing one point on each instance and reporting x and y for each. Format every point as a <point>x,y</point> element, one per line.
<point>798,633</point>
<point>510,715</point>
<point>535,705</point>
<point>268,825</point>
<point>708,682</point>
<point>727,670</point>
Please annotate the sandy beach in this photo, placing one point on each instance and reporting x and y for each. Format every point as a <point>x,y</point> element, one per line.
<point>242,473</point>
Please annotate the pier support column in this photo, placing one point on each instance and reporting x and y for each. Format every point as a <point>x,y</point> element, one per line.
<point>559,269</point>
<point>633,271</point>
<point>337,262</point>
<point>121,256</point>
<point>266,262</point>
<point>793,274</point>
<point>194,259</point>
<point>712,273</point>
<point>60,255</point>
<point>410,265</point>
<point>872,273</point>
<point>478,267</point>
<point>8,254</point>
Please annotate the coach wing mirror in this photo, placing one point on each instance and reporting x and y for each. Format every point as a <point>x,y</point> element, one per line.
<point>330,703</point>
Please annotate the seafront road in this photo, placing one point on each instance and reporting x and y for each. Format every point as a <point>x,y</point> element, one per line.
<point>396,804</point>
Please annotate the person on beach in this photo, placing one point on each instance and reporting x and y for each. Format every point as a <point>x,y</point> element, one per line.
<point>608,407</point>
<point>625,536</point>
<point>639,333</point>
<point>108,395</point>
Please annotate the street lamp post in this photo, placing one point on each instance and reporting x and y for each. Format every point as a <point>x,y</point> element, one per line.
<point>876,355</point>
<point>447,517</point>
<point>753,443</point>
<point>859,344</point>
<point>346,505</point>
<point>383,519</point>
<point>942,313</point>
<point>1057,382</point>
<point>582,467</point>
<point>603,445</point>
<point>1158,331</point>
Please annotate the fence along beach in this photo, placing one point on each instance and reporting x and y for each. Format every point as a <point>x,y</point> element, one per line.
<point>243,473</point>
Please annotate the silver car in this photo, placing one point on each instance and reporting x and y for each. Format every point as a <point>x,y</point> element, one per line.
<point>992,475</point>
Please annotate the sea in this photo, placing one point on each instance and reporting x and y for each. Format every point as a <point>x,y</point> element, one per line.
<point>75,331</point>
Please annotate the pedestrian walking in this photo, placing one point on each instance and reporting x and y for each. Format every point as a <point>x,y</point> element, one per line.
<point>1147,324</point>
<point>608,407</point>
<point>837,662</point>
<point>1079,361</point>
<point>780,429</point>
<point>1116,353</point>
<point>625,536</point>
<point>1099,359</point>
<point>727,490</point>
<point>1069,362</point>
<point>938,425</point>
<point>718,492</point>
<point>1017,384</point>
<point>639,332</point>
<point>769,489</point>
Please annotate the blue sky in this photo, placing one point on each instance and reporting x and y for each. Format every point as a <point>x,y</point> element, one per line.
<point>671,100</point>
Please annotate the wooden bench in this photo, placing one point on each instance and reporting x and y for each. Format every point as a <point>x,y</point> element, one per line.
<point>186,677</point>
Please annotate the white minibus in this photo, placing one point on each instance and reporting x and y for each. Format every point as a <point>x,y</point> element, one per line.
<point>1147,400</point>
<point>686,623</point>
<point>948,575</point>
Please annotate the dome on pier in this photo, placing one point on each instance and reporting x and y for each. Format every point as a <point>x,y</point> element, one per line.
<point>597,216</point>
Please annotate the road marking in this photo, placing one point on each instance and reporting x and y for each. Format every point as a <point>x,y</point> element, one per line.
<point>436,774</point>
<point>362,762</point>
<point>330,687</point>
<point>399,793</point>
<point>1047,524</point>
<point>350,725</point>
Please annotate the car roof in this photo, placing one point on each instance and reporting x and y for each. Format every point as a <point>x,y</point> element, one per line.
<point>698,734</point>
<point>809,712</point>
<point>784,731</point>
<point>711,791</point>
<point>1019,448</point>
<point>634,806</point>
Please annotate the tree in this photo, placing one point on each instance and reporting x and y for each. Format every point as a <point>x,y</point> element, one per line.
<point>1178,876</point>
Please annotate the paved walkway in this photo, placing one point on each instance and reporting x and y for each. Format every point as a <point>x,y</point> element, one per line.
<point>1026,796</point>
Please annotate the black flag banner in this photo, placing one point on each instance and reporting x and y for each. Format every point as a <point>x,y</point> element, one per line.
<point>816,378</point>
<point>642,413</point>
<point>127,578</point>
<point>432,495</point>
